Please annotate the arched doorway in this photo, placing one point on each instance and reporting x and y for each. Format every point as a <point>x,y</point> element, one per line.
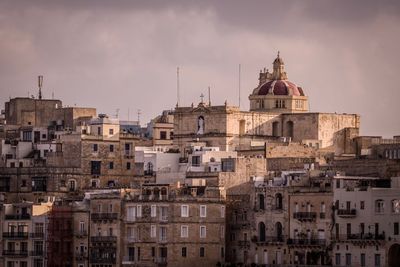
<point>275,128</point>
<point>278,201</point>
<point>261,202</point>
<point>393,256</point>
<point>261,231</point>
<point>278,229</point>
<point>289,129</point>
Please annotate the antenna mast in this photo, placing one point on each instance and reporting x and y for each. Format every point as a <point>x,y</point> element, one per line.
<point>40,83</point>
<point>138,115</point>
<point>209,96</point>
<point>177,87</point>
<point>239,83</point>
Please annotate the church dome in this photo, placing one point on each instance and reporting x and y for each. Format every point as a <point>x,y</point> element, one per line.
<point>280,87</point>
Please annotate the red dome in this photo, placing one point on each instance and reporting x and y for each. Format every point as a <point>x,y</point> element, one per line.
<point>280,87</point>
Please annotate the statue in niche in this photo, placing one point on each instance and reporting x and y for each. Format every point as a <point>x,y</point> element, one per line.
<point>200,125</point>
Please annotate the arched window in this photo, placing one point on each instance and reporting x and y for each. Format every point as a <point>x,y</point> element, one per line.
<point>261,203</point>
<point>200,125</point>
<point>278,201</point>
<point>396,206</point>
<point>149,169</point>
<point>289,129</point>
<point>261,232</point>
<point>379,206</point>
<point>275,128</point>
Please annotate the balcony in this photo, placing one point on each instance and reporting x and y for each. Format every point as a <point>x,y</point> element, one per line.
<point>244,243</point>
<point>161,261</point>
<point>103,239</point>
<point>306,242</point>
<point>37,235</point>
<point>104,216</point>
<point>346,213</point>
<point>322,215</point>
<point>128,260</point>
<point>15,253</point>
<point>305,216</point>
<point>362,236</point>
<point>269,240</point>
<point>37,253</point>
<point>81,234</point>
<point>17,216</point>
<point>80,256</point>
<point>16,235</point>
<point>96,259</point>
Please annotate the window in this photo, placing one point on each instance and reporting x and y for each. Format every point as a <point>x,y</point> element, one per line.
<point>95,167</point>
<point>81,227</point>
<point>111,165</point>
<point>184,231</point>
<point>348,259</point>
<point>184,252</point>
<point>396,228</point>
<point>362,259</point>
<point>111,131</point>
<point>222,252</point>
<point>396,206</point>
<point>337,183</point>
<point>203,211</point>
<point>139,211</point>
<point>153,211</point>
<point>222,232</point>
<point>184,211</point>
<point>95,147</point>
<point>196,161</point>
<point>202,231</point>
<point>202,252</point>
<point>111,148</point>
<point>163,233</point>
<point>131,214</point>
<point>222,211</point>
<point>337,259</point>
<point>377,260</point>
<point>163,135</point>
<point>362,205</point>
<point>131,254</point>
<point>153,231</point>
<point>128,165</point>
<point>379,206</point>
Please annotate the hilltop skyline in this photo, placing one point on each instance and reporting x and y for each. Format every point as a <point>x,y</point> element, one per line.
<point>344,55</point>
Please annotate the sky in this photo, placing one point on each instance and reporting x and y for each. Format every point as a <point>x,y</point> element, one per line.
<point>120,56</point>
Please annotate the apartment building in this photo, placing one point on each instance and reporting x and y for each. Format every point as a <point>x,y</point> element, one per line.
<point>366,222</point>
<point>173,226</point>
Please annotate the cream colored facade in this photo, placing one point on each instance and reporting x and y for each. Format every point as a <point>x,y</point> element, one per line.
<point>230,129</point>
<point>167,226</point>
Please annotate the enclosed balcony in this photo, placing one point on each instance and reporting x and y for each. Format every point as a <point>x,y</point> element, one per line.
<point>346,213</point>
<point>305,216</point>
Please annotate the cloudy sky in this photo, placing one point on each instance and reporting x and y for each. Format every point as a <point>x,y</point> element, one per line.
<point>124,54</point>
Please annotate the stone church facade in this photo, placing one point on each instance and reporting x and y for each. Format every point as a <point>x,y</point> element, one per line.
<point>278,113</point>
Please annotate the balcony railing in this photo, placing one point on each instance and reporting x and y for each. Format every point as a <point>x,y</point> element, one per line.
<point>82,233</point>
<point>269,239</point>
<point>18,217</point>
<point>161,260</point>
<point>96,259</point>
<point>360,237</point>
<point>104,216</point>
<point>244,243</point>
<point>103,239</point>
<point>37,235</point>
<point>80,256</point>
<point>306,241</point>
<point>37,253</point>
<point>346,212</point>
<point>305,216</point>
<point>128,259</point>
<point>16,235</point>
<point>15,253</point>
